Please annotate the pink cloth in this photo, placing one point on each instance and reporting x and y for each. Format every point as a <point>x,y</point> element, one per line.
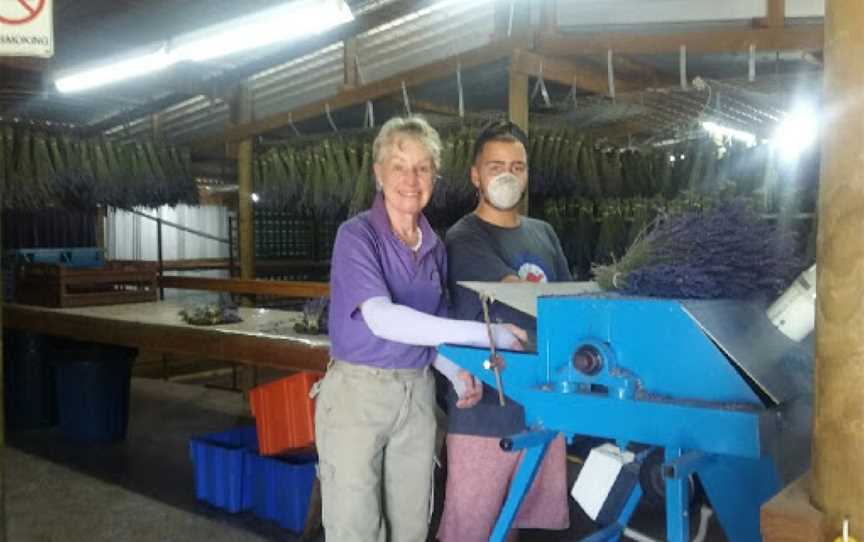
<point>479,473</point>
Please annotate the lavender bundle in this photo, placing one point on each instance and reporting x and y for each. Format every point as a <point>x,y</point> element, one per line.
<point>314,317</point>
<point>724,252</point>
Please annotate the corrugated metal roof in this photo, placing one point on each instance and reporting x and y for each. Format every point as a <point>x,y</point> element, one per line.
<point>434,32</point>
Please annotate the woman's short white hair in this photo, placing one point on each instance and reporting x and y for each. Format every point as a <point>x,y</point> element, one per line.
<point>414,126</point>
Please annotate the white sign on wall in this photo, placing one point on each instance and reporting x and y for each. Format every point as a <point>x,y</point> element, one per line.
<point>26,28</point>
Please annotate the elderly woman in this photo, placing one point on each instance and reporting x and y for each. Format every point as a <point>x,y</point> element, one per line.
<point>375,422</point>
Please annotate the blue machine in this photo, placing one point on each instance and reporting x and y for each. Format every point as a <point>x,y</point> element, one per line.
<point>712,383</point>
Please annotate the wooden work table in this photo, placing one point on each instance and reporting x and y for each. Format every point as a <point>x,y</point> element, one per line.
<point>265,337</point>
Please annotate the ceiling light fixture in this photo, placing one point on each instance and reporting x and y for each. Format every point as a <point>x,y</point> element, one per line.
<point>718,130</point>
<point>283,23</point>
<point>116,71</point>
<point>796,132</point>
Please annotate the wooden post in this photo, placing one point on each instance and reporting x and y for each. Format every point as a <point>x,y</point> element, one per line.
<point>518,113</point>
<point>549,17</point>
<point>775,15</point>
<point>838,413</point>
<point>512,20</point>
<point>101,212</point>
<point>243,114</point>
<point>777,12</point>
<point>2,399</point>
<point>350,77</point>
<point>156,126</point>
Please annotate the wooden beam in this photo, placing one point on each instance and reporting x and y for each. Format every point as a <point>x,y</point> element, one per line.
<point>350,74</point>
<point>217,86</point>
<point>101,213</point>
<point>775,14</point>
<point>628,68</point>
<point>348,97</point>
<point>790,516</point>
<point>807,37</point>
<point>276,266</point>
<point>548,16</point>
<point>29,64</point>
<point>210,342</point>
<point>517,95</point>
<point>518,112</point>
<point>838,419</point>
<point>584,75</point>
<point>2,406</point>
<point>242,112</point>
<point>156,126</point>
<point>428,107</point>
<point>277,288</point>
<point>512,20</point>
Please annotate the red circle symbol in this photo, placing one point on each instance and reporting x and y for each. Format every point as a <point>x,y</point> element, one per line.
<point>26,11</point>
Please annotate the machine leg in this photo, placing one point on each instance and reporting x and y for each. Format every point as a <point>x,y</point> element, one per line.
<point>535,444</point>
<point>613,532</point>
<point>677,501</point>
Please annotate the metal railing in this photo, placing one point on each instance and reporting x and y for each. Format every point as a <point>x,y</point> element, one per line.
<point>161,221</point>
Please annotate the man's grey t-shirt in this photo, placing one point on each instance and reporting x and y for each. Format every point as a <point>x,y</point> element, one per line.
<point>478,250</point>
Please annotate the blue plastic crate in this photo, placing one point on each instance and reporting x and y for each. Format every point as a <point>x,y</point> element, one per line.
<point>70,257</point>
<point>29,381</point>
<point>8,283</point>
<point>92,384</point>
<point>223,475</point>
<point>282,487</point>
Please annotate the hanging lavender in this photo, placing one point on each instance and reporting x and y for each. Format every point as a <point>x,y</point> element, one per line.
<point>724,252</point>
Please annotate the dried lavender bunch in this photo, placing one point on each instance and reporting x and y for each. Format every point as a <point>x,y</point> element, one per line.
<point>222,311</point>
<point>724,252</point>
<point>314,317</point>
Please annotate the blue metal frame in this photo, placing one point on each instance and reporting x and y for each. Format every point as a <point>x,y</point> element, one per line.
<point>663,383</point>
<point>658,422</point>
<point>612,533</point>
<point>535,444</point>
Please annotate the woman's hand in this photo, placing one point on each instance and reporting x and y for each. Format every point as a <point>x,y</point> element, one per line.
<point>473,390</point>
<point>509,337</point>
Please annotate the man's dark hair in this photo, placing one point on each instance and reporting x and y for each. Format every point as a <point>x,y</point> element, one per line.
<point>499,130</point>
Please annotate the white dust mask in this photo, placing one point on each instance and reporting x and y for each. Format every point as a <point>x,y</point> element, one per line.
<point>504,191</point>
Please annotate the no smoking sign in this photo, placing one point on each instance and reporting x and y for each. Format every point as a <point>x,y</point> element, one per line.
<point>20,11</point>
<point>26,28</point>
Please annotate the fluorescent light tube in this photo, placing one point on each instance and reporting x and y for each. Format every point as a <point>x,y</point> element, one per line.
<point>286,22</point>
<point>116,71</point>
<point>724,131</point>
<point>271,26</point>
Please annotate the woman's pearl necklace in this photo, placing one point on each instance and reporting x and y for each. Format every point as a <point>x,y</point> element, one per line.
<point>417,245</point>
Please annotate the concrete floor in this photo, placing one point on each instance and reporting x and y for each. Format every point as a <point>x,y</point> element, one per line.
<point>140,489</point>
<point>143,489</point>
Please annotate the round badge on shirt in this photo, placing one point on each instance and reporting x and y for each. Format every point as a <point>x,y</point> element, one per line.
<point>532,272</point>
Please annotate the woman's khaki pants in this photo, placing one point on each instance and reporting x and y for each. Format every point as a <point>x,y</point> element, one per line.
<point>375,432</point>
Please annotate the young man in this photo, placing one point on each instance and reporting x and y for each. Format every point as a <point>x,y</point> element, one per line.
<point>496,243</point>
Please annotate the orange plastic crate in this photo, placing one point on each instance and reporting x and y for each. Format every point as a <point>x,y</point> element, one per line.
<point>284,413</point>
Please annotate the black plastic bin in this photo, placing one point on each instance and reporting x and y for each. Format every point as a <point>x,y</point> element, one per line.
<point>92,384</point>
<point>28,381</point>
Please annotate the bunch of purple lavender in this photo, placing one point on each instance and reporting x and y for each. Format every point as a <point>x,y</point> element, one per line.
<point>724,252</point>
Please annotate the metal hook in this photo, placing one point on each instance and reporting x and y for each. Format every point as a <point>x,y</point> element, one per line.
<point>751,68</point>
<point>610,68</point>
<point>459,87</point>
<point>370,115</point>
<point>330,118</point>
<point>682,66</point>
<point>573,94</point>
<point>360,78</point>
<point>540,86</point>
<point>405,98</point>
<point>291,124</point>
